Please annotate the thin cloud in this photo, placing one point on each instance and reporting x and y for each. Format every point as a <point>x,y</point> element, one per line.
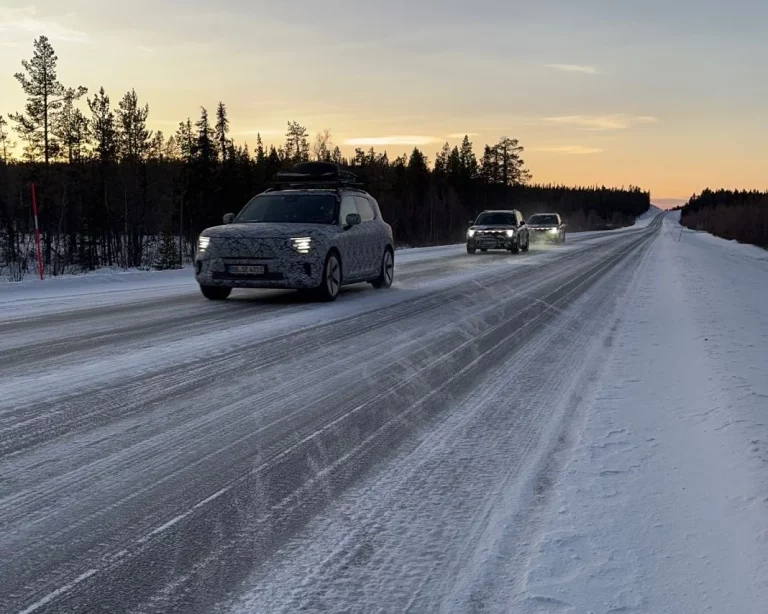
<point>392,140</point>
<point>461,135</point>
<point>26,20</point>
<point>602,122</point>
<point>570,150</point>
<point>580,68</point>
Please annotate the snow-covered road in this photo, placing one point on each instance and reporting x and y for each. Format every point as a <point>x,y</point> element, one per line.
<point>449,445</point>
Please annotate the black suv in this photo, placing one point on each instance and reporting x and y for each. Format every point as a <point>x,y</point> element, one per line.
<point>504,229</point>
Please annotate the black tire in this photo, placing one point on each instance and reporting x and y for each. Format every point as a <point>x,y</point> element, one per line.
<point>328,291</point>
<point>387,274</point>
<point>215,293</point>
<point>471,250</point>
<point>484,249</point>
<point>515,249</point>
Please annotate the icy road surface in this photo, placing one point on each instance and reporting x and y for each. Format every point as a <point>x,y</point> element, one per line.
<point>574,429</point>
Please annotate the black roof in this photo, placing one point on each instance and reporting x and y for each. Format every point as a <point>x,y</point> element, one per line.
<point>322,175</point>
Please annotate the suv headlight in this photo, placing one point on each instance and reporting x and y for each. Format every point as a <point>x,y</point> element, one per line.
<point>510,233</point>
<point>553,231</point>
<point>302,244</point>
<point>471,233</point>
<point>202,243</point>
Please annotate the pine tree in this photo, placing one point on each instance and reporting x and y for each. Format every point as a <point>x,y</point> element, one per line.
<point>6,144</point>
<point>511,167</point>
<point>171,149</point>
<point>186,141</point>
<point>222,131</point>
<point>296,143</point>
<point>103,128</point>
<point>441,160</point>
<point>454,163</point>
<point>336,156</point>
<point>134,138</point>
<point>260,155</point>
<point>72,129</point>
<point>45,96</point>
<point>157,146</point>
<point>204,150</point>
<point>468,160</point>
<point>489,167</point>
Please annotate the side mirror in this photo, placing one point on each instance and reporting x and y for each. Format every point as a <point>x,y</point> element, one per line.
<point>229,218</point>
<point>353,219</point>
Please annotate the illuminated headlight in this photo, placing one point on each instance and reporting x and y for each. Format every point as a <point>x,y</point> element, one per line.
<point>510,233</point>
<point>302,244</point>
<point>471,232</point>
<point>202,243</point>
<point>553,231</point>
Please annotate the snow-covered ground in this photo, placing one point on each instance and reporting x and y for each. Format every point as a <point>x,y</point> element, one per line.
<point>653,498</point>
<point>663,502</point>
<point>578,429</point>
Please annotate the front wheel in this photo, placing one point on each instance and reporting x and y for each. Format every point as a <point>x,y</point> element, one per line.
<point>471,250</point>
<point>515,249</point>
<point>215,293</point>
<point>331,284</point>
<point>387,275</point>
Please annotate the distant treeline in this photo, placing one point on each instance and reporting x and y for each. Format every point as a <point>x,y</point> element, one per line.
<point>739,215</point>
<point>113,193</point>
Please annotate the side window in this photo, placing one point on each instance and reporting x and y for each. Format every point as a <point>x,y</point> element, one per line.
<point>364,208</point>
<point>347,206</point>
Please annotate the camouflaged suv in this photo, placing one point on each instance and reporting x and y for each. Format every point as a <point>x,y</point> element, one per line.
<point>315,231</point>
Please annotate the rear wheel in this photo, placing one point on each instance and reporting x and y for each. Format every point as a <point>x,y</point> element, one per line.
<point>387,275</point>
<point>215,293</point>
<point>331,284</point>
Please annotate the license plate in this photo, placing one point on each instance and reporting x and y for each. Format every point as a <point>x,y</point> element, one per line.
<point>487,242</point>
<point>247,269</point>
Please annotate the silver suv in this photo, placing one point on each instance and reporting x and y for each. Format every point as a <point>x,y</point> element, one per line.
<point>547,227</point>
<point>315,231</point>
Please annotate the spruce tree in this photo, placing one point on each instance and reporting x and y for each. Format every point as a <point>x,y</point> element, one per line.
<point>261,156</point>
<point>468,159</point>
<point>222,131</point>
<point>45,96</point>
<point>103,128</point>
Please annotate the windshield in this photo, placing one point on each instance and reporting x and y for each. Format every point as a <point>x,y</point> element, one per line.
<point>290,209</point>
<point>544,219</point>
<point>496,219</point>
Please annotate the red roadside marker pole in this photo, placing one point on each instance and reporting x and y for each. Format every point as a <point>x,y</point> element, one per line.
<point>37,234</point>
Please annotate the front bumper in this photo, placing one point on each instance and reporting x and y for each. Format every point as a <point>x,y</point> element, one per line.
<point>544,235</point>
<point>301,272</point>
<point>495,242</point>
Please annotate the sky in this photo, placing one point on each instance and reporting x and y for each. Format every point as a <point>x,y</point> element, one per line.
<point>667,95</point>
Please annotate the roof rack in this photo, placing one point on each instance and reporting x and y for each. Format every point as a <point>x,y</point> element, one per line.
<point>315,175</point>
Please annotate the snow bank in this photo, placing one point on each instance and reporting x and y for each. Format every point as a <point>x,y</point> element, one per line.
<point>662,504</point>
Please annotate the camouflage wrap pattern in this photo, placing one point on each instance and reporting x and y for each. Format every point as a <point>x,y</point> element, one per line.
<point>361,249</point>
